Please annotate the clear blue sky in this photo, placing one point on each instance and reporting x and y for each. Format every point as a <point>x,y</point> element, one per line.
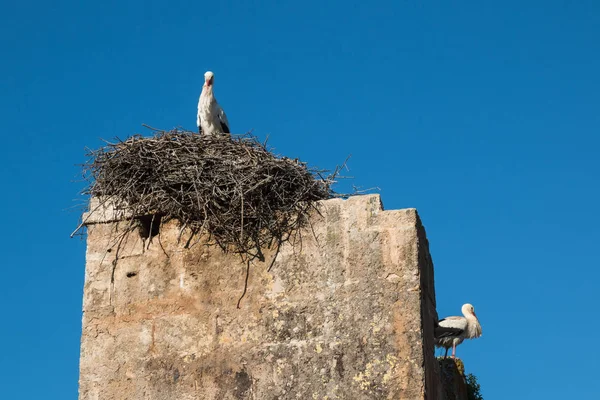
<point>483,115</point>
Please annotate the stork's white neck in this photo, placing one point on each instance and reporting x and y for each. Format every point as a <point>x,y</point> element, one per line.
<point>473,327</point>
<point>207,97</point>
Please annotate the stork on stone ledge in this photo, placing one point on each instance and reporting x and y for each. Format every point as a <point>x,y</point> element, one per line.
<point>452,331</point>
<point>211,119</point>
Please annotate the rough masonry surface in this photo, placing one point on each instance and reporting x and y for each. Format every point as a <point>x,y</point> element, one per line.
<point>347,313</point>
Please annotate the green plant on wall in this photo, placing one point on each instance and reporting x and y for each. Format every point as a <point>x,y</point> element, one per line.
<point>473,388</point>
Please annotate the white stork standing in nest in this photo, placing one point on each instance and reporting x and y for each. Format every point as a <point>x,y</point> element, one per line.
<point>211,119</point>
<point>451,331</point>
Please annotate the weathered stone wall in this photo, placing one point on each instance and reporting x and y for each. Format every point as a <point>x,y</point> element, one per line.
<point>348,314</point>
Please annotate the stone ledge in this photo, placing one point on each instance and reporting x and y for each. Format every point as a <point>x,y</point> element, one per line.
<point>104,211</point>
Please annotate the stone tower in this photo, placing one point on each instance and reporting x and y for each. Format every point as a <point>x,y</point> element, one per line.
<point>347,313</point>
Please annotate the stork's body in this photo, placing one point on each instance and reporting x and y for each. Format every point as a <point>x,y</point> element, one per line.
<point>211,118</point>
<point>452,331</point>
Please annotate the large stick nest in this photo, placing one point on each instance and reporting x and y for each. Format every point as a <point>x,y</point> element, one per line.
<point>235,189</point>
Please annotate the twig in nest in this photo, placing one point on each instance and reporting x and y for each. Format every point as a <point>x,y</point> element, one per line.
<point>245,283</point>
<point>279,242</point>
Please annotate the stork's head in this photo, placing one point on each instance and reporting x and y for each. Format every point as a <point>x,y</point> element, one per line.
<point>209,78</point>
<point>468,309</point>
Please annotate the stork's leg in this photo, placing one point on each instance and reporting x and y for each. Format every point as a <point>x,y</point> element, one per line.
<point>446,355</point>
<point>453,350</point>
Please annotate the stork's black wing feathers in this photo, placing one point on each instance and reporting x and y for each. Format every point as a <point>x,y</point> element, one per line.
<point>441,332</point>
<point>224,127</point>
<point>446,331</point>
